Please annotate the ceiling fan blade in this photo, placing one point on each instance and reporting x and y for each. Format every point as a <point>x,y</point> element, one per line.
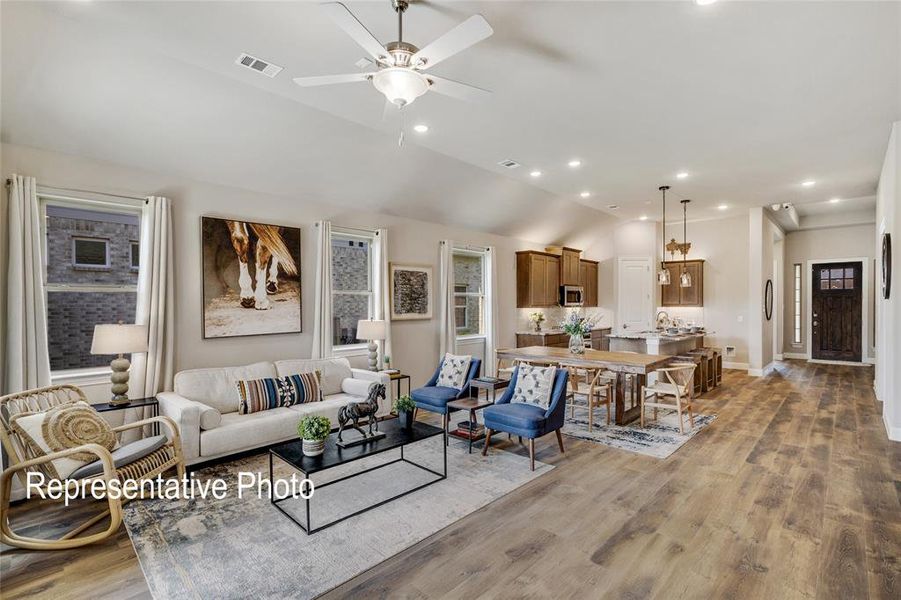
<point>471,31</point>
<point>330,79</point>
<point>455,89</point>
<point>352,26</point>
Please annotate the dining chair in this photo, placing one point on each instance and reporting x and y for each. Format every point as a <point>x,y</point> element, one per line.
<point>675,382</point>
<point>594,384</point>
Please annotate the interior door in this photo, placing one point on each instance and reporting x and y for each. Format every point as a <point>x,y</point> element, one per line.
<point>634,305</point>
<point>836,311</point>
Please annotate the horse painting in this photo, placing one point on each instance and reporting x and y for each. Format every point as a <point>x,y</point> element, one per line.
<point>251,278</point>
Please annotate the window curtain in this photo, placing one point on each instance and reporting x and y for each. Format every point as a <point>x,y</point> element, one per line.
<point>446,300</point>
<point>489,365</point>
<point>27,359</point>
<point>152,371</point>
<point>322,305</point>
<point>382,292</point>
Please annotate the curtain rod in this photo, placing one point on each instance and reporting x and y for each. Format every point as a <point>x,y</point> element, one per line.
<point>70,190</point>
<point>471,248</point>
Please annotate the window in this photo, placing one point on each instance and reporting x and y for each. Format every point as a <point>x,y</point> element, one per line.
<point>135,255</point>
<point>352,285</point>
<point>469,291</point>
<point>89,275</point>
<point>837,279</point>
<point>90,253</point>
<point>796,337</point>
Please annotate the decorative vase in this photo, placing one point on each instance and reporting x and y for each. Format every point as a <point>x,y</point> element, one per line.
<point>313,447</point>
<point>405,418</point>
<point>538,327</point>
<point>577,344</point>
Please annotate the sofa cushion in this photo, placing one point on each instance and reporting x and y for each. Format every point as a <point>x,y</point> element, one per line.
<point>239,432</point>
<point>215,387</point>
<point>306,387</point>
<point>124,455</point>
<point>210,418</point>
<point>255,395</point>
<point>333,371</point>
<point>357,387</point>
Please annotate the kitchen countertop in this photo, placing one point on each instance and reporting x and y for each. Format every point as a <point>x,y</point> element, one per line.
<point>644,335</point>
<point>554,331</point>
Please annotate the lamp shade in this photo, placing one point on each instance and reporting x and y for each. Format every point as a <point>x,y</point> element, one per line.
<point>371,329</point>
<point>119,339</point>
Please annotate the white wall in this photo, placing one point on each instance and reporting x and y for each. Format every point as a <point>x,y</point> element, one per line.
<point>764,258</point>
<point>811,244</point>
<point>888,312</point>
<point>415,342</point>
<point>723,244</point>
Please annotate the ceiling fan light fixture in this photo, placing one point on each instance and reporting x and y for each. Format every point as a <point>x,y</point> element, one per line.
<point>399,85</point>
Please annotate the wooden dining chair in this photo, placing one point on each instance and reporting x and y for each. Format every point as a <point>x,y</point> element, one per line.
<point>671,391</point>
<point>591,383</point>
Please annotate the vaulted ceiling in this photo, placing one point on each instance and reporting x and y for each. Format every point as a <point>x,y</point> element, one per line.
<point>748,98</point>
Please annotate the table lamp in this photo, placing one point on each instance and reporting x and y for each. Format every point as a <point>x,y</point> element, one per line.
<point>372,330</point>
<point>119,339</point>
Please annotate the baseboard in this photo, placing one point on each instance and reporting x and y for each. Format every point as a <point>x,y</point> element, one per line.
<point>818,361</point>
<point>796,355</point>
<point>761,372</point>
<point>778,357</point>
<point>870,360</point>
<point>735,365</point>
<point>894,433</point>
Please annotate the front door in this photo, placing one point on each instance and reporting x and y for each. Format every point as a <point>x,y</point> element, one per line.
<point>836,302</point>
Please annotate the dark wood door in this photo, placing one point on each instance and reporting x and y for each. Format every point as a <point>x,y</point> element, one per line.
<point>836,312</point>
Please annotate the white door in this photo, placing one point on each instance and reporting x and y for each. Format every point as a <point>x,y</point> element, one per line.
<point>634,302</point>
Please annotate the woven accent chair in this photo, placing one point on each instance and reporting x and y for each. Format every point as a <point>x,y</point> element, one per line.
<point>595,384</point>
<point>675,383</point>
<point>23,459</point>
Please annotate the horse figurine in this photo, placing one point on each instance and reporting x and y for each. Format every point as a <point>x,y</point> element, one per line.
<point>359,410</point>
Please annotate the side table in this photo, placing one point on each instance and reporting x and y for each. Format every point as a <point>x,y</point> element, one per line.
<point>397,378</point>
<point>152,403</point>
<point>490,384</point>
<point>473,431</point>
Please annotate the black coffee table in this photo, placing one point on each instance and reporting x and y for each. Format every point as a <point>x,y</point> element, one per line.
<point>396,437</point>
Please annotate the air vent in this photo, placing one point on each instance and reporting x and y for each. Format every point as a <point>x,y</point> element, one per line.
<point>510,164</point>
<point>260,66</point>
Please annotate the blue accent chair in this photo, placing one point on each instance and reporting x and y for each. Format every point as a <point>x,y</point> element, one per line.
<point>527,420</point>
<point>434,398</point>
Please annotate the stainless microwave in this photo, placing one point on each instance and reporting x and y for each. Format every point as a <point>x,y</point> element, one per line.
<point>571,295</point>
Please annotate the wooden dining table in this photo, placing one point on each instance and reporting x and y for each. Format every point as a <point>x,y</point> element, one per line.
<point>621,363</point>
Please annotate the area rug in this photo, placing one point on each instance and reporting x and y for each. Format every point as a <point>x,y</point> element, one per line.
<point>246,548</point>
<point>658,438</point>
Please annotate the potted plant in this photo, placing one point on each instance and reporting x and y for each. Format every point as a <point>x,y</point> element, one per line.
<point>314,430</point>
<point>404,407</point>
<point>536,319</point>
<point>576,326</point>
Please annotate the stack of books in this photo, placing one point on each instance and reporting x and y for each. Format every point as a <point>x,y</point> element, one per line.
<point>463,430</point>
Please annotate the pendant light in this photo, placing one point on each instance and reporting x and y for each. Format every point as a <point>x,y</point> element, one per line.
<point>685,277</point>
<point>663,274</point>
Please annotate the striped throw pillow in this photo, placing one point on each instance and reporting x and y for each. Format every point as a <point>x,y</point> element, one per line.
<point>255,395</point>
<point>306,387</point>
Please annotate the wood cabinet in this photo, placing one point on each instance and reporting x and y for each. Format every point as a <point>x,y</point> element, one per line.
<point>599,339</point>
<point>676,295</point>
<point>588,279</point>
<point>569,266</point>
<point>537,279</point>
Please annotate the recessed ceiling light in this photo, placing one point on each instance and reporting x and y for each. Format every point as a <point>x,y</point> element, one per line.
<point>420,128</point>
<point>574,163</point>
<point>809,183</point>
<point>643,218</point>
<point>585,194</point>
<point>723,206</point>
<point>535,173</point>
<point>681,175</point>
<point>613,206</point>
<point>835,200</point>
<point>704,2</point>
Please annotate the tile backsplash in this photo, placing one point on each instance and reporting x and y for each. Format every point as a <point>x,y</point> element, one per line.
<point>554,315</point>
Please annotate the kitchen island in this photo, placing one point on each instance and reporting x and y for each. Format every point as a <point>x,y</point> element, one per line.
<point>645,342</point>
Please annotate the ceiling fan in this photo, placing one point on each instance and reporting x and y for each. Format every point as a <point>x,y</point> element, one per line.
<point>401,65</point>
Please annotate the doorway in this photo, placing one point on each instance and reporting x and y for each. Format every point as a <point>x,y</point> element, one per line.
<point>836,315</point>
<point>634,303</point>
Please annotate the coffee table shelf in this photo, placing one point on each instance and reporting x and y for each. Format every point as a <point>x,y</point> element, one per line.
<point>335,456</point>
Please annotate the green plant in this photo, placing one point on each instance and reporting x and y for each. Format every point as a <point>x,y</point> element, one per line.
<point>404,403</point>
<point>314,428</point>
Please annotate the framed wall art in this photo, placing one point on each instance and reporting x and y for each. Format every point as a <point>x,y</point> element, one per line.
<point>411,292</point>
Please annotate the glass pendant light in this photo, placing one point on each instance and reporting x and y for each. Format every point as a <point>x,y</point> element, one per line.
<point>685,277</point>
<point>663,274</point>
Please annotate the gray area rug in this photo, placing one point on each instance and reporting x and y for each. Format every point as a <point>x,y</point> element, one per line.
<point>246,548</point>
<point>658,438</point>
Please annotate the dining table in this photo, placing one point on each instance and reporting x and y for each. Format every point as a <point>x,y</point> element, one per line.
<point>623,364</point>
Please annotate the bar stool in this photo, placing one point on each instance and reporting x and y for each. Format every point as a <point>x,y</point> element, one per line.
<point>696,378</point>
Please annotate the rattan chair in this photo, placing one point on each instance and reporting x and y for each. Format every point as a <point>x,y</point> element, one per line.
<point>23,460</point>
<point>594,384</point>
<point>676,382</point>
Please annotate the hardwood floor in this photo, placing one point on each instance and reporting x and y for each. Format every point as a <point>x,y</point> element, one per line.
<point>792,492</point>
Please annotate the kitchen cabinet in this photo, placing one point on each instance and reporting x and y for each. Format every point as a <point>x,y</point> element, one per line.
<point>676,295</point>
<point>537,279</point>
<point>599,339</point>
<point>557,339</point>
<point>588,279</point>
<point>569,266</point>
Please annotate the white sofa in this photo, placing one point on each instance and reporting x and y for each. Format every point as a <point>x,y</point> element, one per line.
<point>205,405</point>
